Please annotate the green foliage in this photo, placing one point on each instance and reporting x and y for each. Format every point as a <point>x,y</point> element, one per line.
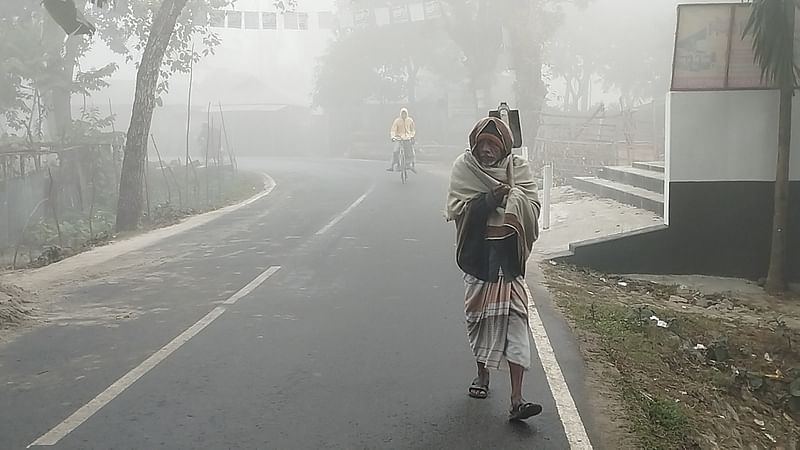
<point>92,122</point>
<point>34,65</point>
<point>666,423</point>
<point>22,64</point>
<point>125,29</point>
<point>773,38</point>
<point>93,80</point>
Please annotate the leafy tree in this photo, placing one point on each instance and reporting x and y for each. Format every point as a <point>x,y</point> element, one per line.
<point>380,63</point>
<point>587,50</point>
<point>531,25</point>
<point>475,26</point>
<point>167,48</point>
<point>772,26</point>
<point>125,30</point>
<point>22,69</point>
<point>41,63</point>
<point>577,69</point>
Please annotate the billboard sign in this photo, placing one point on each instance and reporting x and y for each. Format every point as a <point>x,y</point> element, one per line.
<point>711,52</point>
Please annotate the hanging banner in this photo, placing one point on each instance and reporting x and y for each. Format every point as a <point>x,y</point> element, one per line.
<point>382,16</point>
<point>433,10</point>
<point>216,19</point>
<point>361,18</point>
<point>416,12</point>
<point>400,14</point>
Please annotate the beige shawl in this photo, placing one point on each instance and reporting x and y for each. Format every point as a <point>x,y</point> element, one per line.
<point>518,213</point>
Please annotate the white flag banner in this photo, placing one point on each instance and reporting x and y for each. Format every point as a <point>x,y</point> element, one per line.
<point>417,12</point>
<point>400,14</point>
<point>382,16</point>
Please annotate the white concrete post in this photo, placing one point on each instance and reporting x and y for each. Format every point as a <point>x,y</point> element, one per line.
<point>548,184</point>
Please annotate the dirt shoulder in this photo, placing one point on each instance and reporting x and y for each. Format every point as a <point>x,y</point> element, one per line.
<point>15,306</point>
<point>684,366</point>
<point>24,294</point>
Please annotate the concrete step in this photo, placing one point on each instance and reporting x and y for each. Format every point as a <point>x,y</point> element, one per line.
<point>655,166</point>
<point>623,193</point>
<point>641,178</point>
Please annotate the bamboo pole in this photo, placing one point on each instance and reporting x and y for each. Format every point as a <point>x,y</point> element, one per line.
<point>146,186</point>
<point>189,117</point>
<point>25,228</point>
<point>91,203</point>
<point>163,170</point>
<point>54,206</point>
<point>209,127</point>
<point>111,112</point>
<point>227,143</point>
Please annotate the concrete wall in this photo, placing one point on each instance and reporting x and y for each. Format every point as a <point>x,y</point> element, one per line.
<point>727,136</point>
<point>721,159</point>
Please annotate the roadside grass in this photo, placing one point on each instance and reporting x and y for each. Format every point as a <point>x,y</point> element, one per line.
<point>168,201</point>
<point>692,380</point>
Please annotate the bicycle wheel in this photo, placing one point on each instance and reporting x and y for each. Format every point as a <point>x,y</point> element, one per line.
<point>403,169</point>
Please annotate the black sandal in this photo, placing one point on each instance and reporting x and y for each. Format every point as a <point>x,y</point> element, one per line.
<point>478,391</point>
<point>524,410</point>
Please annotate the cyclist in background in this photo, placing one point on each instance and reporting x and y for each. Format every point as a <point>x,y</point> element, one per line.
<point>403,132</point>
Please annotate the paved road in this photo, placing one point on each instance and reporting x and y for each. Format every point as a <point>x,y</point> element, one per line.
<point>357,341</point>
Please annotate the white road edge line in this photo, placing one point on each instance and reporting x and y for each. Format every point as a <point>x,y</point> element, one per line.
<point>80,416</point>
<point>565,404</point>
<point>341,215</point>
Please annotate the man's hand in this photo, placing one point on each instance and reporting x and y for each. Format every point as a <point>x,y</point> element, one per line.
<point>500,191</point>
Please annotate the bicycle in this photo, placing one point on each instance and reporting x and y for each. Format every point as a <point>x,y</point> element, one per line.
<point>406,153</point>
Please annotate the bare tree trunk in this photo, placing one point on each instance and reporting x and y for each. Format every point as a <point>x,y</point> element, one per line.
<point>776,281</point>
<point>776,275</point>
<point>413,73</point>
<point>585,84</point>
<point>129,206</point>
<point>62,56</point>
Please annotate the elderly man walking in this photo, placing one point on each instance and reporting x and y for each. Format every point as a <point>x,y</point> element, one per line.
<point>493,201</point>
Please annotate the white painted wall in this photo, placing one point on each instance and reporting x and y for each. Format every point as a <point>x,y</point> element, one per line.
<point>726,136</point>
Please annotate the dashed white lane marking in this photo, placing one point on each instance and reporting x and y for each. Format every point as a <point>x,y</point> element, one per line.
<point>88,410</point>
<point>252,285</point>
<point>565,404</point>
<point>341,215</point>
